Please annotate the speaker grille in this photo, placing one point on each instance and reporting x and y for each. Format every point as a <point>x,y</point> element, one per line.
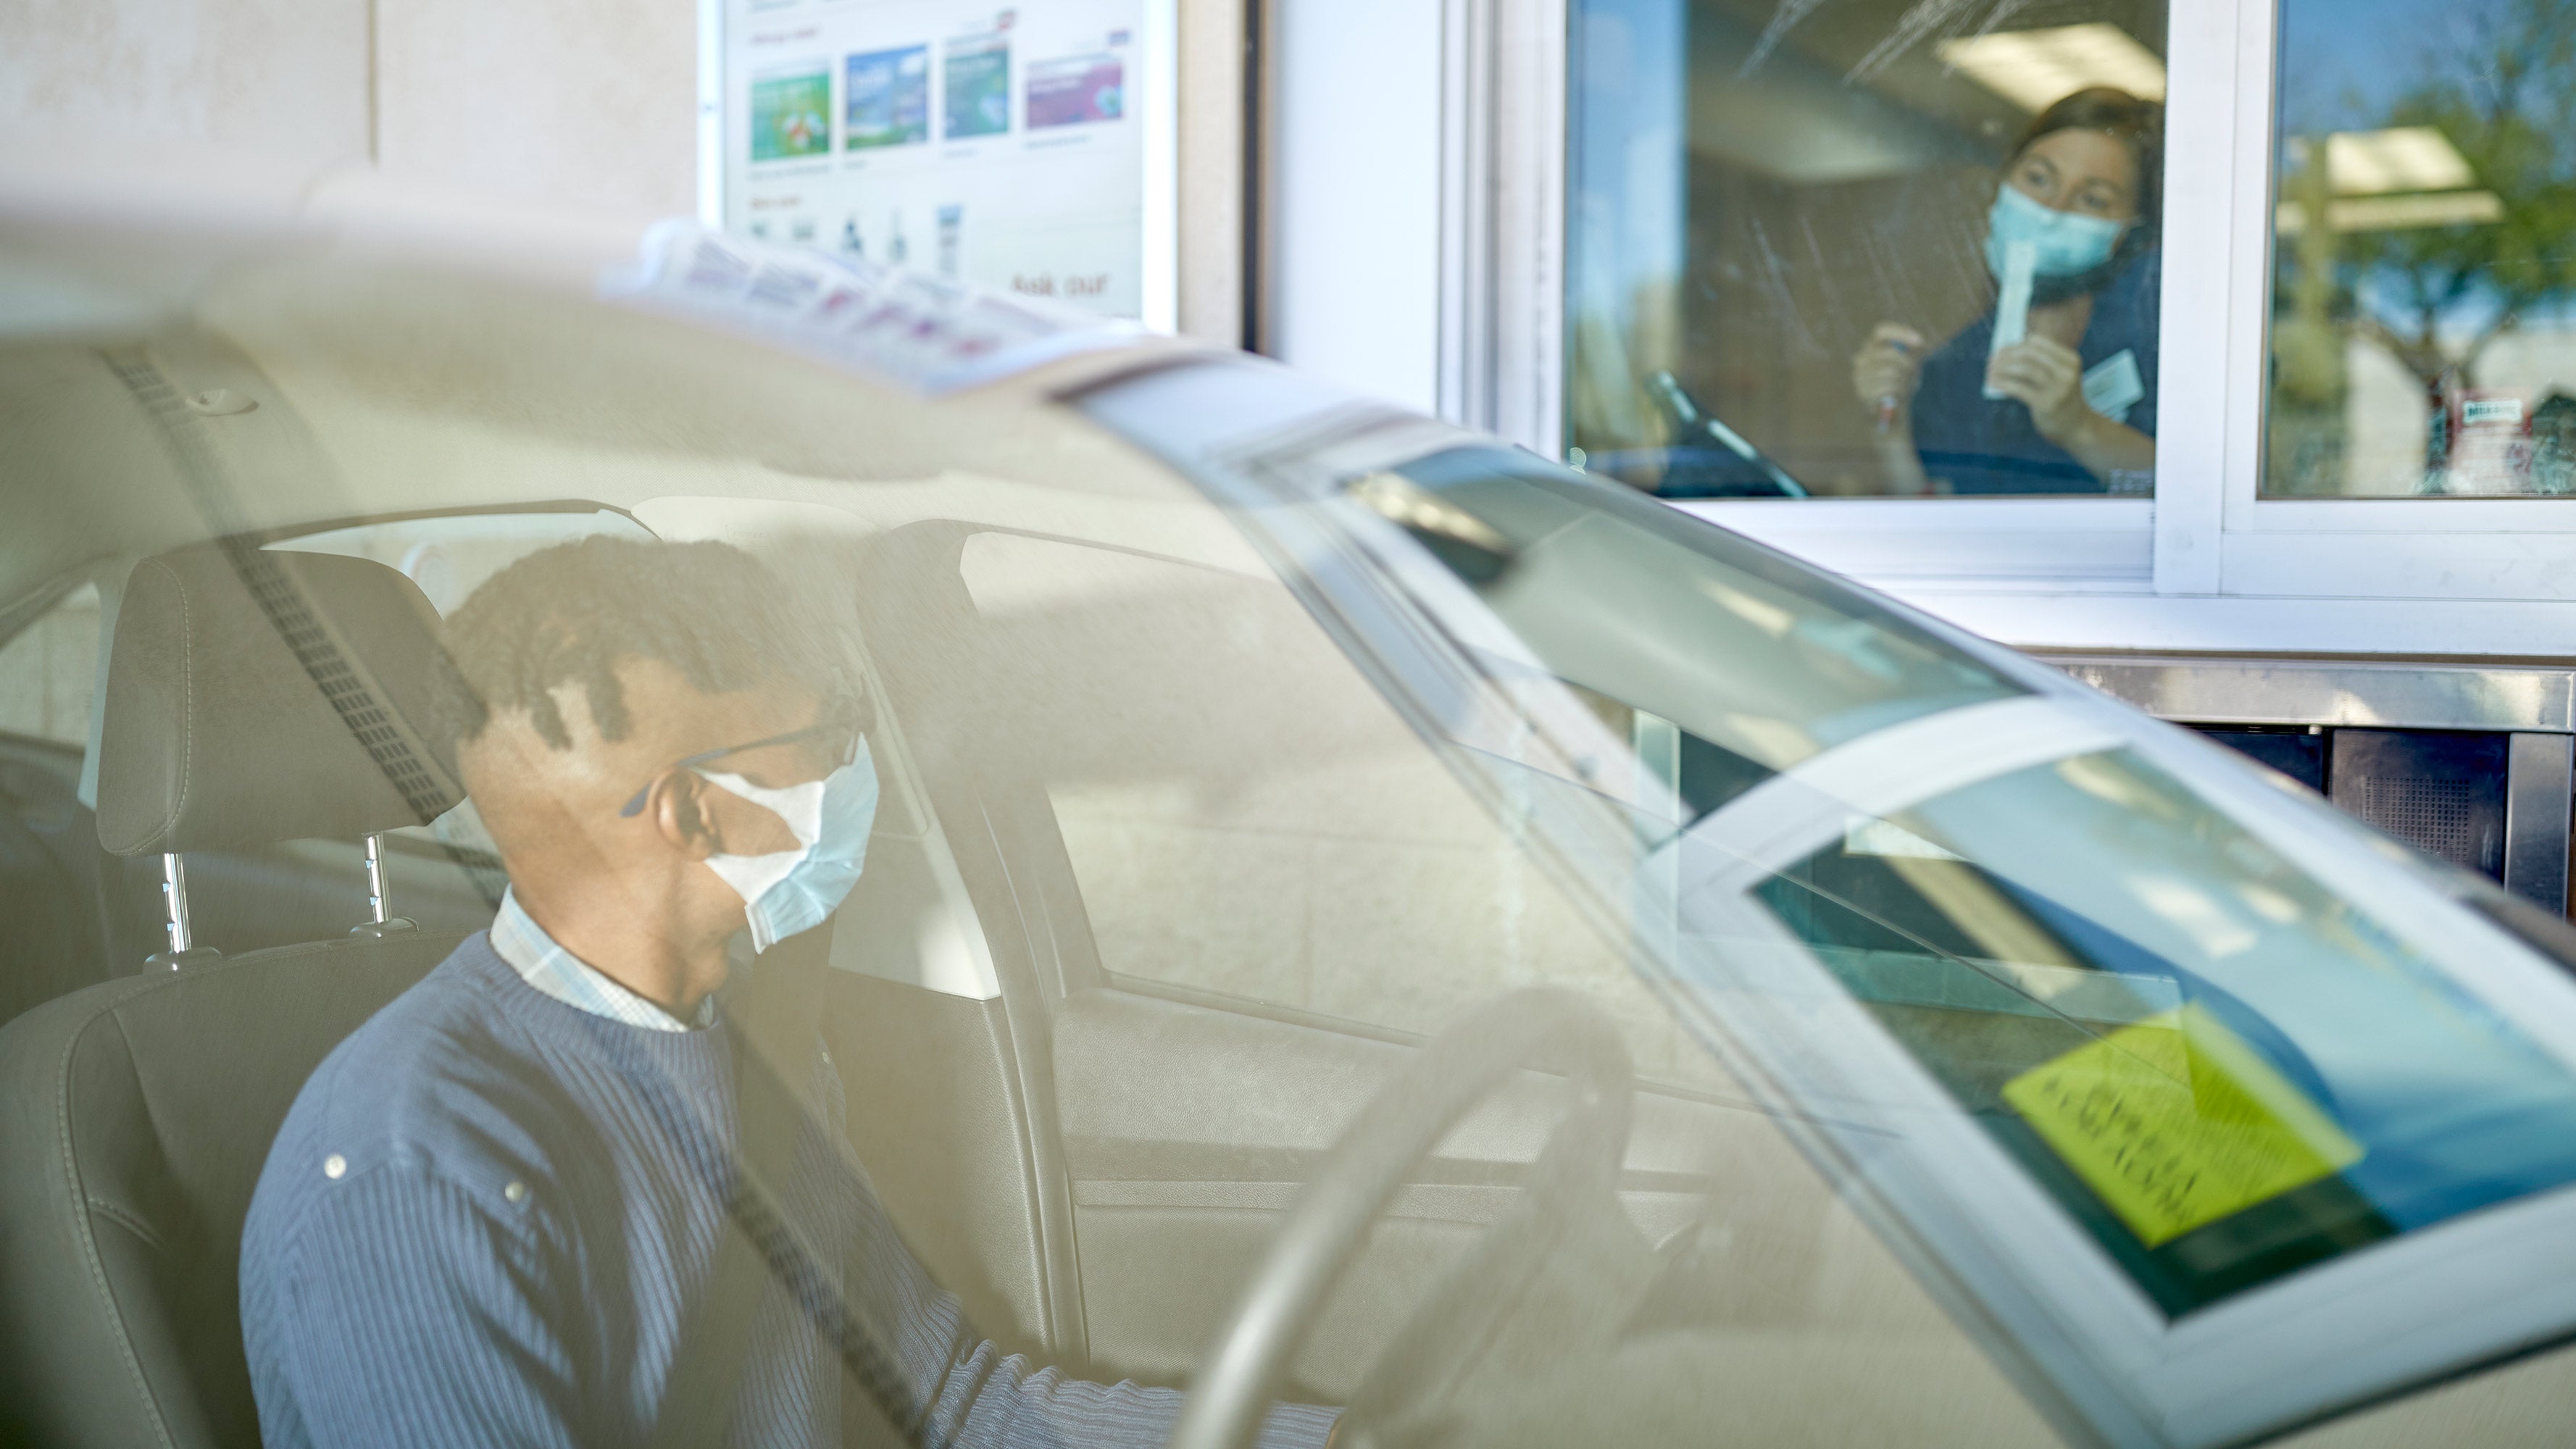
<point>2437,817</point>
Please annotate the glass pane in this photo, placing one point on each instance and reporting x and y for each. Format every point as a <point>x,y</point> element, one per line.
<point>1185,820</point>
<point>47,672</point>
<point>1756,662</point>
<point>2225,1072</point>
<point>1258,824</point>
<point>2224,1069</point>
<point>1798,232</point>
<point>450,554</point>
<point>2422,339</point>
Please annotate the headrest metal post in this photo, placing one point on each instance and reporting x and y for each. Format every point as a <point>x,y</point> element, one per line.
<point>174,902</point>
<point>377,907</point>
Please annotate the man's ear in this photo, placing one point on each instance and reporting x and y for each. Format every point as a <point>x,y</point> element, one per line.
<point>676,804</point>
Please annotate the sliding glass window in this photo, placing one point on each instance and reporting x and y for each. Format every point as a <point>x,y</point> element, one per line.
<point>2424,300</point>
<point>1865,247</point>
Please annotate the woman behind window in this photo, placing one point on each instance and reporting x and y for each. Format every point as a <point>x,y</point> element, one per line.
<point>2072,406</point>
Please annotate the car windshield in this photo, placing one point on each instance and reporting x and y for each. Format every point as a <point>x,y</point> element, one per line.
<point>2222,1066</point>
<point>1169,866</point>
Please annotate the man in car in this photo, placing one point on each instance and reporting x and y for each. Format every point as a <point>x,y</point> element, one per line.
<point>553,1194</point>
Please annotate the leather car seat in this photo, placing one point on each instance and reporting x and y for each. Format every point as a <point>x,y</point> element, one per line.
<point>252,696</point>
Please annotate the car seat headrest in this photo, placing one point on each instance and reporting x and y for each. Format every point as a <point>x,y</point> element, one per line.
<point>255,695</point>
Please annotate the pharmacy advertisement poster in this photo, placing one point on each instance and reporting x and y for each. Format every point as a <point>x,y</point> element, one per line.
<point>1011,147</point>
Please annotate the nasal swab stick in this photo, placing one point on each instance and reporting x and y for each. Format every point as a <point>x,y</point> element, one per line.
<point>2012,303</point>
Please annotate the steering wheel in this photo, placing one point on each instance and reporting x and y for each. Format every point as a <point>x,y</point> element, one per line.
<point>1544,1028</point>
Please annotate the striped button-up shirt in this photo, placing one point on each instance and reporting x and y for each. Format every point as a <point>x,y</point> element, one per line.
<point>519,940</point>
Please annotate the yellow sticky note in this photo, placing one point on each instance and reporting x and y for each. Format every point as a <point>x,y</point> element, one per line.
<point>2177,1123</point>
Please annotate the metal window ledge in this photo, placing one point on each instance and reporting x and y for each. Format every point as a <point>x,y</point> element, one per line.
<point>2516,699</point>
<point>2533,704</point>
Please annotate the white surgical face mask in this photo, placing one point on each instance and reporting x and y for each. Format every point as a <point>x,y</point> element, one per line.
<point>2066,243</point>
<point>788,892</point>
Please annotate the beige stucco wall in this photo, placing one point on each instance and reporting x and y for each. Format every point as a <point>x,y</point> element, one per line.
<point>585,102</point>
<point>580,102</point>
<point>286,77</point>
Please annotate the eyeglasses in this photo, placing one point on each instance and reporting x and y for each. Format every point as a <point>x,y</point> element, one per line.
<point>849,722</point>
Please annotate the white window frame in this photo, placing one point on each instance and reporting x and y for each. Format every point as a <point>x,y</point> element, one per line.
<point>2207,565</point>
<point>2407,548</point>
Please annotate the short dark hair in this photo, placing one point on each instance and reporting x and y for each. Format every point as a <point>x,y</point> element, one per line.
<point>568,614</point>
<point>2136,124</point>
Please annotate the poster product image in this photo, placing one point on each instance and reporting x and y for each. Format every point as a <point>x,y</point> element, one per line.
<point>979,87</point>
<point>791,115</point>
<point>1027,146</point>
<point>886,98</point>
<point>952,223</point>
<point>1076,89</point>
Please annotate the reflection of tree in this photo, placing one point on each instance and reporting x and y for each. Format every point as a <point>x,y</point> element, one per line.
<point>2508,108</point>
<point>2503,93</point>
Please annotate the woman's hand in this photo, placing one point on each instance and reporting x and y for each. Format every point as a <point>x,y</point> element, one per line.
<point>1886,371</point>
<point>2048,377</point>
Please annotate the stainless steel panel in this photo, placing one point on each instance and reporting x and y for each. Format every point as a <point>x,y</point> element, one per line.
<point>2376,696</point>
<point>2441,791</point>
<point>2540,783</point>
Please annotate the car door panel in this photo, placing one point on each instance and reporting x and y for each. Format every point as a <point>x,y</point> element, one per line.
<point>1191,1128</point>
<point>936,1123</point>
<point>1156,774</point>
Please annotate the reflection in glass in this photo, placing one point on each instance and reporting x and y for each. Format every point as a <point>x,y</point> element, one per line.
<point>1752,661</point>
<point>1874,248</point>
<point>2422,339</point>
<point>2222,1065</point>
<point>2225,1071</point>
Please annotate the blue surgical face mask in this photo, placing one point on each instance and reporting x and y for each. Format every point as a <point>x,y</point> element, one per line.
<point>788,892</point>
<point>2067,244</point>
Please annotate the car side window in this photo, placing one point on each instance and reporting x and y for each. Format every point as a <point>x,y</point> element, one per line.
<point>49,672</point>
<point>449,555</point>
<point>1247,818</point>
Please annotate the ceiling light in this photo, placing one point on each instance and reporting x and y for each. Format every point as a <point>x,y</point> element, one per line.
<point>2035,69</point>
<point>2405,158</point>
<point>2399,213</point>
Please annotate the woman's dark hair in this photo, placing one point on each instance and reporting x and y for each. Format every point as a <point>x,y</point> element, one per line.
<point>2136,124</point>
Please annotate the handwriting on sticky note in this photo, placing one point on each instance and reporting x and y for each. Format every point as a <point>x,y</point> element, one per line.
<point>2175,1122</point>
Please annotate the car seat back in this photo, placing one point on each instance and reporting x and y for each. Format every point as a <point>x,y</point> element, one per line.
<point>134,1119</point>
<point>252,696</point>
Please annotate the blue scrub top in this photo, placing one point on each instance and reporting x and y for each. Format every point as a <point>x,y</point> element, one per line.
<point>1987,445</point>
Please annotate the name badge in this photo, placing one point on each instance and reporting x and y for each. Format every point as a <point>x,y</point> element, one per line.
<point>2114,385</point>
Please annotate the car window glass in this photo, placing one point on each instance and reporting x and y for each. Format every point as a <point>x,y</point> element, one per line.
<point>2225,1071</point>
<point>449,555</point>
<point>1876,247</point>
<point>1291,884</point>
<point>1721,662</point>
<point>2223,1068</point>
<point>1245,815</point>
<point>48,672</point>
<point>1295,853</point>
